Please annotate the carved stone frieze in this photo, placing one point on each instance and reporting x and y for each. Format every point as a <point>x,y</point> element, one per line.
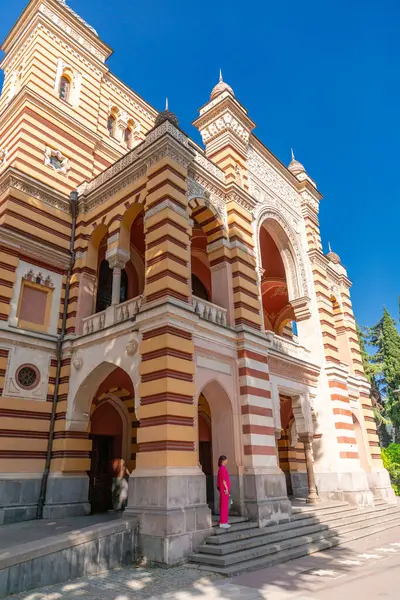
<point>262,174</point>
<point>35,191</point>
<point>209,166</point>
<point>196,190</point>
<point>225,122</point>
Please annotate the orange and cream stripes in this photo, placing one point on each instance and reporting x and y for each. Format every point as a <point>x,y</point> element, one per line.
<point>246,292</point>
<point>257,410</point>
<point>343,417</point>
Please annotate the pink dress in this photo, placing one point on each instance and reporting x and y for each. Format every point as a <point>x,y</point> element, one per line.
<point>223,475</point>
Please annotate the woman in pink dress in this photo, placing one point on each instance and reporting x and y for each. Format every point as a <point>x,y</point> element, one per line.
<point>224,488</point>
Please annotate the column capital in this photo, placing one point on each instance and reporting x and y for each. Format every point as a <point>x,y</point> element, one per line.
<point>117,258</point>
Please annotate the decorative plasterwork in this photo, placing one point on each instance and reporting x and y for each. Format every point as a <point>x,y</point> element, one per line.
<point>196,190</point>
<point>209,166</point>
<point>50,154</point>
<point>33,189</point>
<point>265,175</point>
<point>225,122</point>
<point>3,156</point>
<point>31,275</point>
<point>165,204</point>
<point>75,35</point>
<point>69,9</point>
<point>166,127</point>
<point>310,201</point>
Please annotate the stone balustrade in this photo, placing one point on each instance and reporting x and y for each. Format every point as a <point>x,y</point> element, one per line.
<point>112,315</point>
<point>210,312</point>
<point>287,346</point>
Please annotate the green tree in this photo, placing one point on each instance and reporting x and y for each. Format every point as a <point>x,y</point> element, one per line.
<point>386,339</point>
<point>378,406</point>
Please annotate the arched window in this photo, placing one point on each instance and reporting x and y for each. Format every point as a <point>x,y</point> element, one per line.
<point>65,88</point>
<point>128,137</point>
<point>123,295</point>
<point>104,288</point>
<point>111,124</point>
<point>198,288</point>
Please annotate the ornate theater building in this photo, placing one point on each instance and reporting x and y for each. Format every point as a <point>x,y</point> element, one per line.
<point>164,303</point>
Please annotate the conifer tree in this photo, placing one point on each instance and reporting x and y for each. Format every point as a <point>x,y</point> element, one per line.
<point>386,339</point>
<point>377,401</point>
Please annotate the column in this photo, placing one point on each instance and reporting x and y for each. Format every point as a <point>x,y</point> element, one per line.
<point>312,497</point>
<point>221,277</point>
<point>117,260</point>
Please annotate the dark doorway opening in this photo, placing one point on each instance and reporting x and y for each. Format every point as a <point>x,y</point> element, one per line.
<point>206,457</point>
<point>106,435</point>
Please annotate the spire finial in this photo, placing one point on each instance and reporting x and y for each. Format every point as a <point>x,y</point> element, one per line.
<point>291,150</point>
<point>329,247</point>
<point>220,74</point>
<point>166,103</point>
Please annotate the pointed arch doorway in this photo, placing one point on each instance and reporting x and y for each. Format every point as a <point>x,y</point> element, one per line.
<point>205,447</point>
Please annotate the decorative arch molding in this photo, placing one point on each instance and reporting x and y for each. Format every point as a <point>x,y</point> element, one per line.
<point>289,246</point>
<point>200,197</point>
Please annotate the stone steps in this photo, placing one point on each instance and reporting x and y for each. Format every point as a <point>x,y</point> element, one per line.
<point>307,531</point>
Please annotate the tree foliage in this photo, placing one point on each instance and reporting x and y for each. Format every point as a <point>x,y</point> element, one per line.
<point>385,338</point>
<point>391,462</point>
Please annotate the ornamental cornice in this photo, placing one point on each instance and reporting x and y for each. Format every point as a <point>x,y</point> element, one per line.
<point>34,188</point>
<point>226,121</point>
<point>318,258</point>
<point>134,165</point>
<point>72,32</point>
<point>29,247</point>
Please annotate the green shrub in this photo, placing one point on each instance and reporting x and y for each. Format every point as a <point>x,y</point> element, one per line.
<point>391,462</point>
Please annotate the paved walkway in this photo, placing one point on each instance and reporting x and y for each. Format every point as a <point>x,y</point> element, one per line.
<point>357,566</point>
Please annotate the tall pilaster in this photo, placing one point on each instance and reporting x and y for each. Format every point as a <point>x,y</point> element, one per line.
<point>167,489</point>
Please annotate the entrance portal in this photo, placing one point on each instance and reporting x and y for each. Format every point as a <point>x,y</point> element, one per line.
<point>205,448</point>
<point>291,452</point>
<point>106,435</point>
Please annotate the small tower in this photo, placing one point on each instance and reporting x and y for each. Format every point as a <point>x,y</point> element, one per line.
<point>225,128</point>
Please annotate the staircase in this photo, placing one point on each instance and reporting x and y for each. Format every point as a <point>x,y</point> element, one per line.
<point>246,547</point>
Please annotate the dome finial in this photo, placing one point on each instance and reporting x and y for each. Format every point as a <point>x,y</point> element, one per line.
<point>166,115</point>
<point>292,153</point>
<point>295,167</point>
<point>329,247</point>
<point>166,102</point>
<point>221,87</point>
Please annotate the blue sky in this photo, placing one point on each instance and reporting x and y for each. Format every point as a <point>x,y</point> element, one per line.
<point>321,77</point>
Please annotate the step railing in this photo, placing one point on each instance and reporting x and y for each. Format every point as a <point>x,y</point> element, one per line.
<point>210,312</point>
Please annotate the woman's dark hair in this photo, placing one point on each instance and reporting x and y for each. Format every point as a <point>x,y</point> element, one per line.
<point>221,460</point>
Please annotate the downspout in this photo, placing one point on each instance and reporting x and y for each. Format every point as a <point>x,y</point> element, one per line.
<point>43,489</point>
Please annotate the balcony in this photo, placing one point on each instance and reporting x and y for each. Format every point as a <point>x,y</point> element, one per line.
<point>210,312</point>
<point>112,315</point>
<point>286,346</point>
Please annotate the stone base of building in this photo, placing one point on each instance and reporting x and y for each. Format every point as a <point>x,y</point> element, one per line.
<point>265,496</point>
<point>299,484</point>
<point>351,487</point>
<point>380,485</point>
<point>19,496</point>
<point>172,513</point>
<point>66,496</point>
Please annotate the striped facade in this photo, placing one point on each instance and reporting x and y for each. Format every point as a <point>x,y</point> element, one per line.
<point>121,320</point>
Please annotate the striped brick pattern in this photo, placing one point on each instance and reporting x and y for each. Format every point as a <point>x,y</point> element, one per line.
<point>370,427</point>
<point>257,410</point>
<point>167,233</point>
<point>167,434</point>
<point>8,265</point>
<point>343,420</point>
<point>207,219</point>
<point>247,303</point>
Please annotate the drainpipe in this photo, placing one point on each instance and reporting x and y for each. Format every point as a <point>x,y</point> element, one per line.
<point>73,198</point>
